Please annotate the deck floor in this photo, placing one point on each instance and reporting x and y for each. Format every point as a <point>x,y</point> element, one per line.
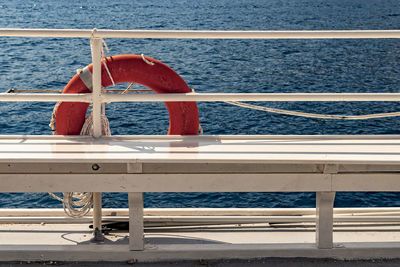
<point>79,234</point>
<point>40,242</point>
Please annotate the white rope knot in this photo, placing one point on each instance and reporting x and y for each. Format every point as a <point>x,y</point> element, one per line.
<point>92,35</point>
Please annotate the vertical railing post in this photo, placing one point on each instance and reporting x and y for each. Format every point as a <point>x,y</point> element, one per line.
<point>96,77</point>
<point>95,42</point>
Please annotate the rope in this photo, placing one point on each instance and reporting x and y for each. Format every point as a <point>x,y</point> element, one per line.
<point>103,55</point>
<point>104,59</point>
<point>87,128</point>
<point>200,128</point>
<point>78,204</point>
<point>313,115</point>
<point>53,118</point>
<point>75,204</point>
<point>146,60</point>
<point>127,89</point>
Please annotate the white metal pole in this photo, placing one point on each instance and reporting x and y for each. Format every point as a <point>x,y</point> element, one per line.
<point>96,100</point>
<point>31,97</point>
<point>181,34</point>
<point>289,97</point>
<point>96,94</point>
<point>253,97</point>
<point>97,217</point>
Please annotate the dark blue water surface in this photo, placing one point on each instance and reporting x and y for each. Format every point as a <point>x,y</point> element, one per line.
<point>246,66</point>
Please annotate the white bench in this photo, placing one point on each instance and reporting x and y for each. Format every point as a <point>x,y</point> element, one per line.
<point>137,164</point>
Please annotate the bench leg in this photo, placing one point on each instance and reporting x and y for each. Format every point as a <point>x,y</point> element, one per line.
<point>136,241</point>
<point>324,219</point>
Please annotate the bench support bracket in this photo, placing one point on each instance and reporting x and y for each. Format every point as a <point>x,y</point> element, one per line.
<point>136,232</point>
<point>324,219</point>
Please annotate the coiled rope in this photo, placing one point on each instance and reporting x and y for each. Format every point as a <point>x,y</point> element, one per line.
<point>78,204</point>
<point>315,115</point>
<point>75,204</point>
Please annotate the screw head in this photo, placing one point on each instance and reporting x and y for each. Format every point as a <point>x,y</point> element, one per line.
<point>95,167</point>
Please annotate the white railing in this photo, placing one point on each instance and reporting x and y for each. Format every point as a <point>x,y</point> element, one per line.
<point>201,97</point>
<point>183,34</point>
<point>97,98</point>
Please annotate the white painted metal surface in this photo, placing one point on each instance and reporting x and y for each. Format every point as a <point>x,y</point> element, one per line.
<point>267,97</point>
<point>96,94</point>
<point>136,221</point>
<point>183,34</point>
<point>254,97</point>
<point>180,212</point>
<point>203,149</point>
<point>324,219</point>
<point>96,44</point>
<point>5,97</point>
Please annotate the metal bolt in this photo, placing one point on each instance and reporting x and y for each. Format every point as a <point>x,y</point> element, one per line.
<point>95,167</point>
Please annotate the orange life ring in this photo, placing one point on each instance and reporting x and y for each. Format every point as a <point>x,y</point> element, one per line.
<point>183,116</point>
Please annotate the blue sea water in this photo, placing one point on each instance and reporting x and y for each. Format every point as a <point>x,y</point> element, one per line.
<point>212,66</point>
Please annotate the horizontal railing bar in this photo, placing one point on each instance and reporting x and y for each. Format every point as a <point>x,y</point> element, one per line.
<point>190,34</point>
<point>45,97</point>
<point>254,97</point>
<point>10,32</point>
<point>203,220</point>
<point>59,91</point>
<point>287,97</point>
<point>41,212</point>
